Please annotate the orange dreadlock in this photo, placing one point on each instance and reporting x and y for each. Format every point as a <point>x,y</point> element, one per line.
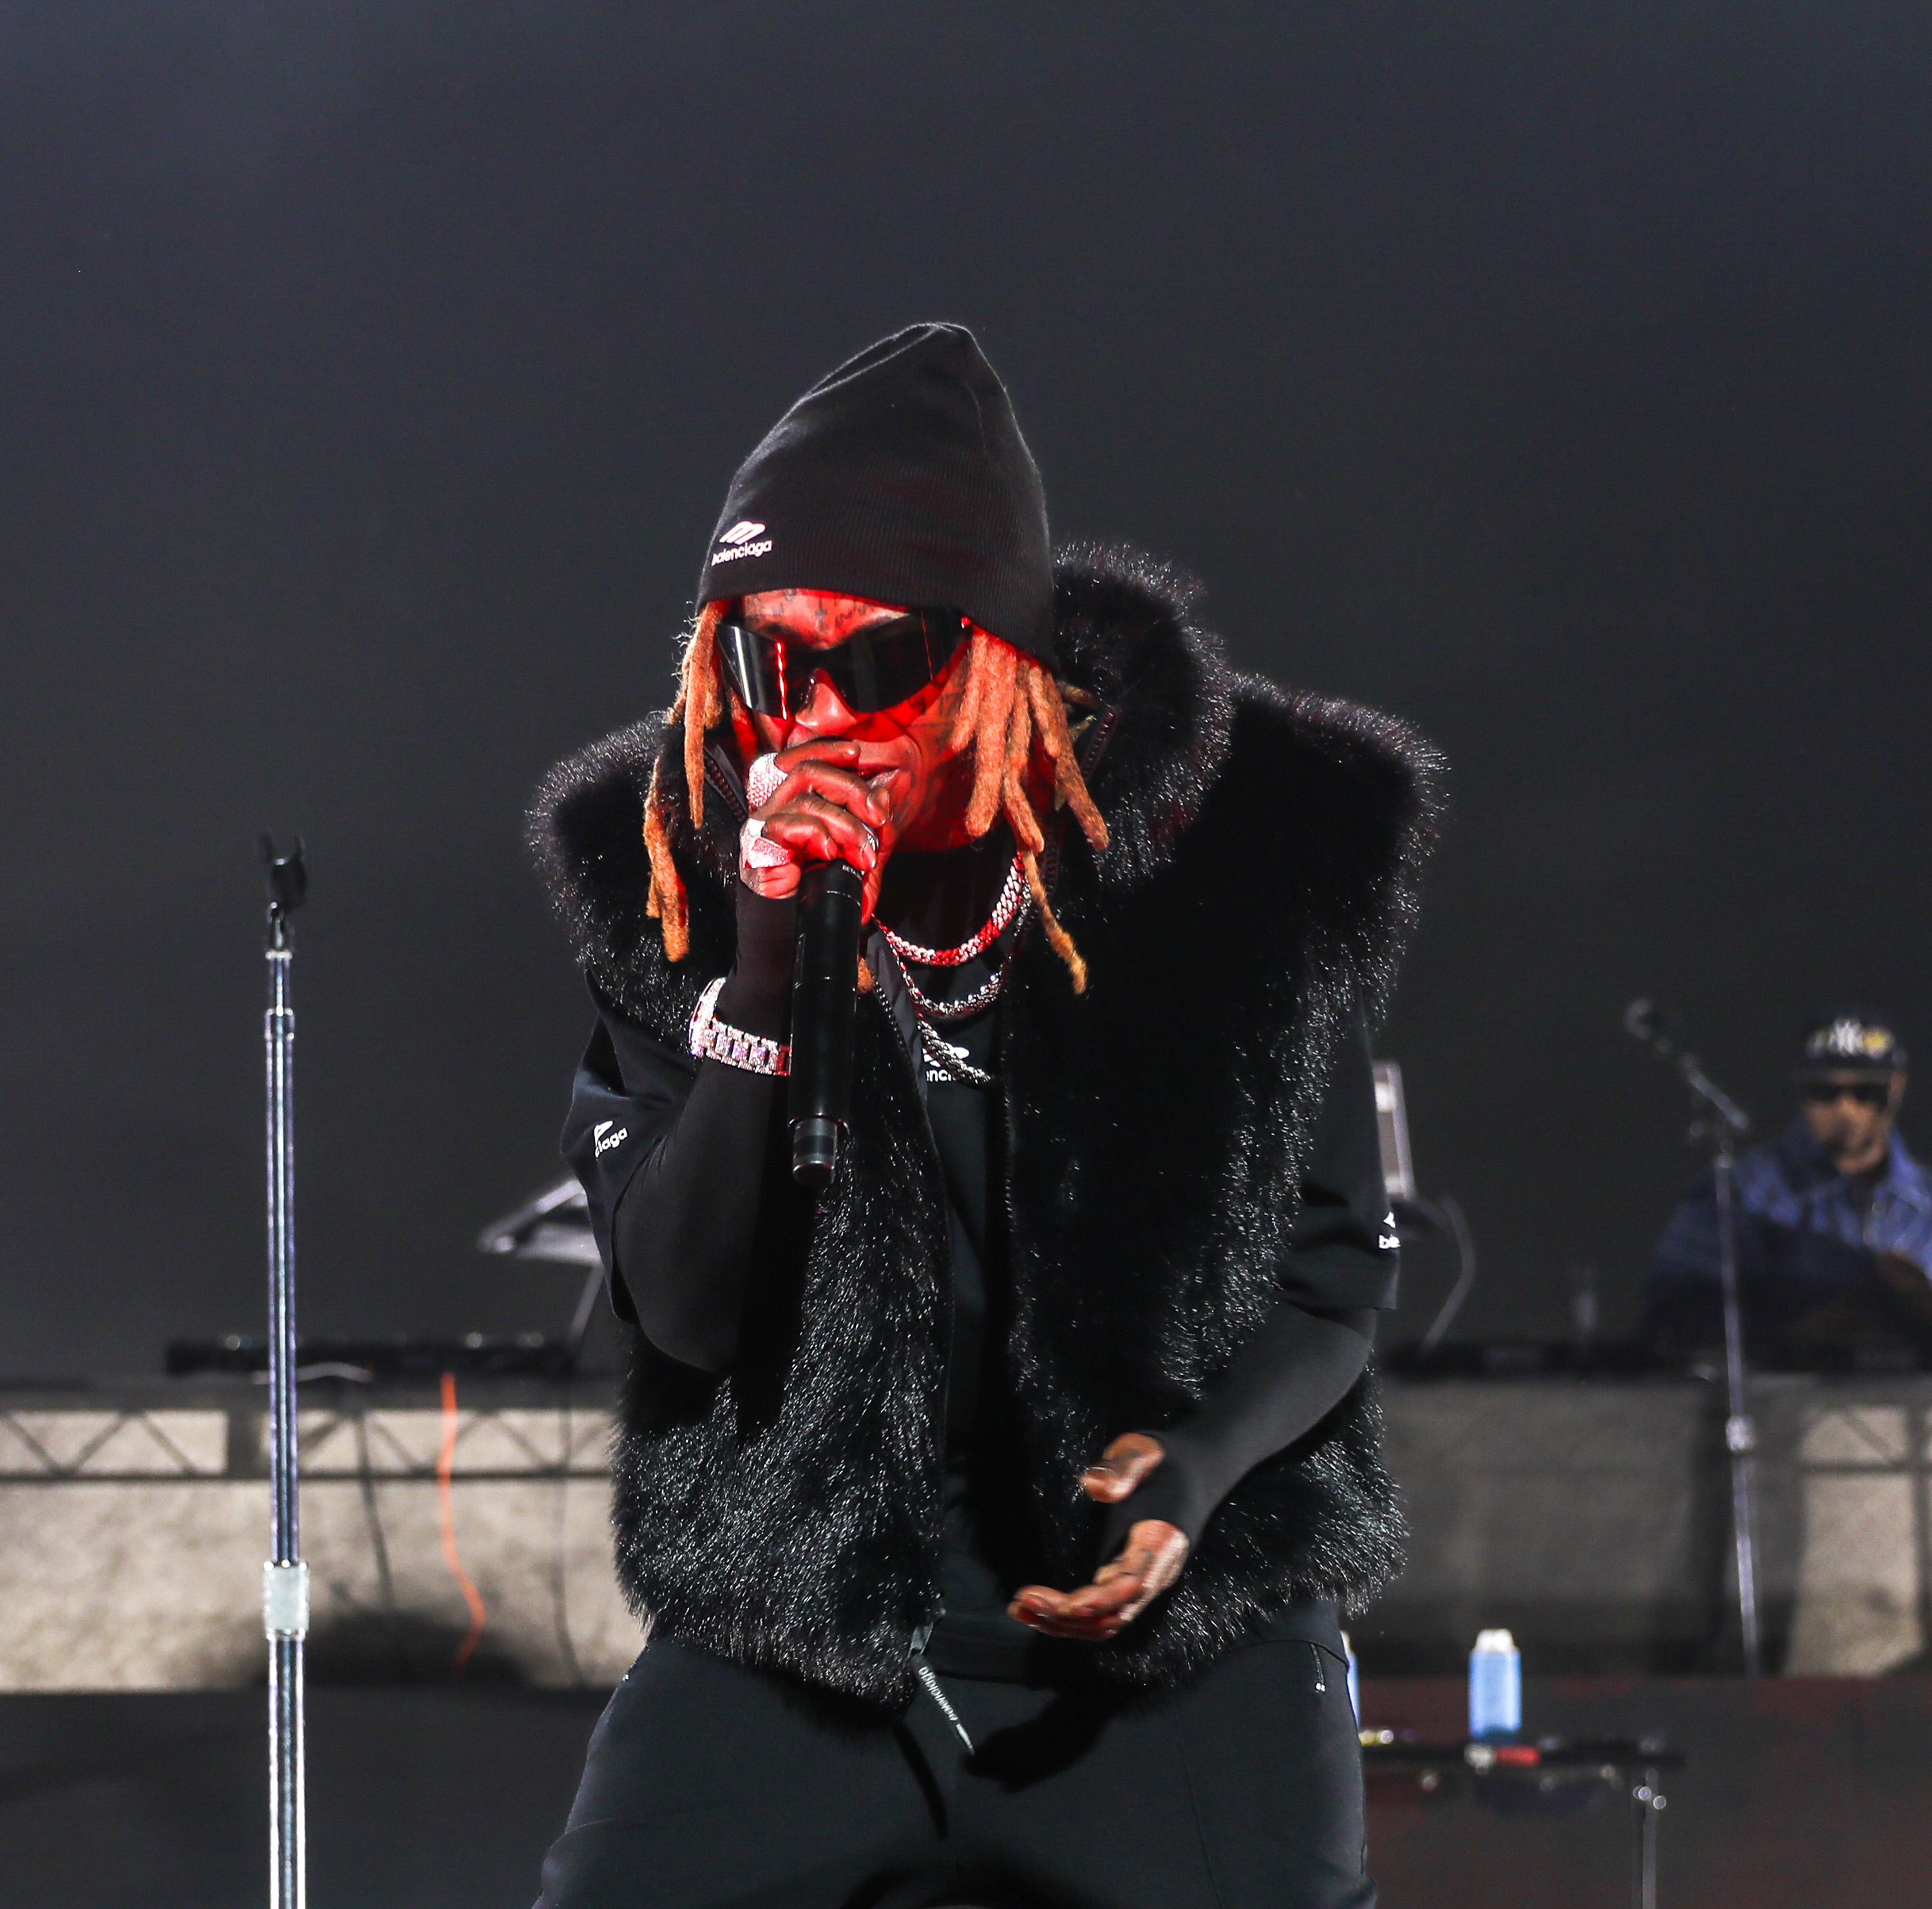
<point>699,704</point>
<point>1010,707</point>
<point>1011,713</point>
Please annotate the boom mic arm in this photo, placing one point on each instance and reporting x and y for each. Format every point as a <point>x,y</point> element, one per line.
<point>1655,1025</point>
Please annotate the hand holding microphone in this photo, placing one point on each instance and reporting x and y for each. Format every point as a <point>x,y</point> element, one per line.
<point>809,804</point>
<point>815,831</point>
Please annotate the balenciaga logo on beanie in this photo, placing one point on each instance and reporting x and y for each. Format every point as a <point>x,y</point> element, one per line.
<point>737,542</point>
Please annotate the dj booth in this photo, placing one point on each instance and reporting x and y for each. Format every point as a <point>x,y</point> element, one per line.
<point>1588,1515</point>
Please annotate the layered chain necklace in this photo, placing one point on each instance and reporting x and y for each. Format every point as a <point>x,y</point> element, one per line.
<point>1014,899</point>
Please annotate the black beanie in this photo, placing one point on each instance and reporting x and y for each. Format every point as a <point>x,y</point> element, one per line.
<point>901,477</point>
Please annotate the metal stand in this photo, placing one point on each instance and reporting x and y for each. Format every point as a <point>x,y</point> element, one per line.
<point>1646,1800</point>
<point>1443,1215</point>
<point>285,1577</point>
<point>1740,1429</point>
<point>1720,1123</point>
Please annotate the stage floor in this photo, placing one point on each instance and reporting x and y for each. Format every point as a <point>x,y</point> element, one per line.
<point>1802,1791</point>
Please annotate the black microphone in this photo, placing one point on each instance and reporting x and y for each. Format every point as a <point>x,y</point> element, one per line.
<point>824,1013</point>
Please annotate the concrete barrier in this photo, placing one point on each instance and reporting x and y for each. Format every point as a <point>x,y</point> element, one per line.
<point>1592,1516</point>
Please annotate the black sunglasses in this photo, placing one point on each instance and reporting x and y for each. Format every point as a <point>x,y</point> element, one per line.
<point>1866,1093</point>
<point>873,669</point>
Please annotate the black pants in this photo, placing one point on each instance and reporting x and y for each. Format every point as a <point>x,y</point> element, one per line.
<point>709,1786</point>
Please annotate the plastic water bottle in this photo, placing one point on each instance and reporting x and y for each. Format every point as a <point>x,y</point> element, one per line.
<point>1355,1681</point>
<point>1496,1686</point>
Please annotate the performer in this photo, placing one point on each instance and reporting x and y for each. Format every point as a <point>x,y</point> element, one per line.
<point>993,1513</point>
<point>1834,1220</point>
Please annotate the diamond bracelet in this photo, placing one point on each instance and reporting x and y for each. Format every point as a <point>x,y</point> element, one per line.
<point>712,1039</point>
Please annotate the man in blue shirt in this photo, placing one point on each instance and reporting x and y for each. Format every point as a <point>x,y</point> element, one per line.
<point>1834,1220</point>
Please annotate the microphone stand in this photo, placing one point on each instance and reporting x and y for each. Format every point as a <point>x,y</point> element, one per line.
<point>285,1577</point>
<point>1720,1123</point>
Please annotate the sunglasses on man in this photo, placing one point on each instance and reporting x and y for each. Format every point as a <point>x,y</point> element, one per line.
<point>1866,1093</point>
<point>872,669</point>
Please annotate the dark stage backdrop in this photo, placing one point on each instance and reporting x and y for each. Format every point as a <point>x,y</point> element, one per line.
<point>370,371</point>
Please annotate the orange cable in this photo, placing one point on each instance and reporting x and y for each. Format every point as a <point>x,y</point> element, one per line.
<point>446,1496</point>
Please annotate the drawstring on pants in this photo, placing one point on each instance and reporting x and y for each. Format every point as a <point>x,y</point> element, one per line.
<point>930,1683</point>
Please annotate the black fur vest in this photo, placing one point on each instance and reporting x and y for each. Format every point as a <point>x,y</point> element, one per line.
<point>1259,881</point>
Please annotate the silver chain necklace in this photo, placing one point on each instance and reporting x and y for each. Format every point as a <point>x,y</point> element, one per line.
<point>965,1008</point>
<point>1012,894</point>
<point>951,1061</point>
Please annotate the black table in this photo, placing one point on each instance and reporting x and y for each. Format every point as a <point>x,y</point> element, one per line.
<point>1552,1776</point>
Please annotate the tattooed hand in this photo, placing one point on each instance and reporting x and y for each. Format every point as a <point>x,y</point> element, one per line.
<point>1148,1563</point>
